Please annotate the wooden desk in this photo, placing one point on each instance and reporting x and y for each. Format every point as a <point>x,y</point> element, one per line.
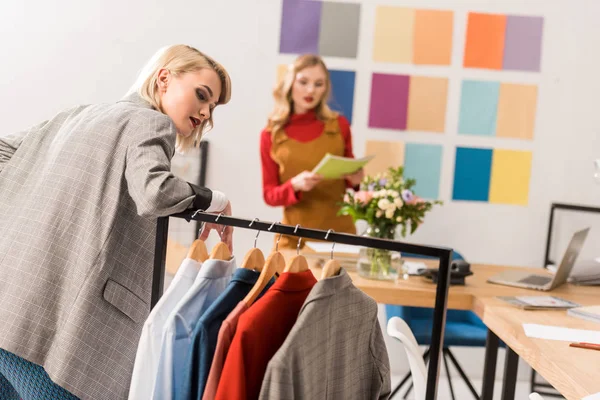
<point>573,372</point>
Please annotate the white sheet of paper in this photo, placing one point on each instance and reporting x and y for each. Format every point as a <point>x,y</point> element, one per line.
<point>595,396</point>
<point>559,333</point>
<point>324,247</point>
<point>413,267</point>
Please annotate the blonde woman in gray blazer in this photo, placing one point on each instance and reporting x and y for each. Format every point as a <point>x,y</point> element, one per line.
<point>79,198</point>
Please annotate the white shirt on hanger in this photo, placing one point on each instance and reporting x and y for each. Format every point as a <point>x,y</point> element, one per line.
<point>209,284</point>
<point>148,351</point>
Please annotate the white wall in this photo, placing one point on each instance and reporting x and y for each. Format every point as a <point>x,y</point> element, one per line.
<point>61,53</point>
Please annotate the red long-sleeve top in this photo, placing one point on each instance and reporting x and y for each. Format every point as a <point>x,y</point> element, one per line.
<point>303,128</point>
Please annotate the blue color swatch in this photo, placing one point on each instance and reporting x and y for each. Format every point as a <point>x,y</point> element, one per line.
<point>342,92</point>
<point>472,171</point>
<point>478,108</point>
<point>423,162</point>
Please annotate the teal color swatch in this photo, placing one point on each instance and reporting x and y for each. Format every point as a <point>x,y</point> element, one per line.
<point>478,108</point>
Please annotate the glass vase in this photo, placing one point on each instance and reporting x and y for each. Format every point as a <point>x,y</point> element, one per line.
<point>379,264</point>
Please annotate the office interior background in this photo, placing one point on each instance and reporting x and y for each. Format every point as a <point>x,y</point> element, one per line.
<point>59,54</point>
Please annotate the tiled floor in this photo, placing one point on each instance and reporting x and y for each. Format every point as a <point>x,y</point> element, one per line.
<point>461,392</point>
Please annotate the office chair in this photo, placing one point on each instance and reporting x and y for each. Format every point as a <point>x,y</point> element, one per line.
<point>398,329</point>
<point>463,328</point>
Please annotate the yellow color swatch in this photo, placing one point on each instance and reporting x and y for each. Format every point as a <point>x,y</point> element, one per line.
<point>516,111</point>
<point>387,154</point>
<point>427,99</point>
<point>433,37</point>
<point>393,38</point>
<point>511,173</point>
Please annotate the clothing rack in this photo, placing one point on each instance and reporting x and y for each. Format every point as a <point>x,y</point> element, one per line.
<point>443,254</point>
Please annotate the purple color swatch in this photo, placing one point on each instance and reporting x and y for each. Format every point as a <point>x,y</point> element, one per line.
<point>389,101</point>
<point>300,24</point>
<point>523,43</point>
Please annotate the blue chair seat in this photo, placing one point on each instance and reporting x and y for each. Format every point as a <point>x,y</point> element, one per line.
<point>456,334</point>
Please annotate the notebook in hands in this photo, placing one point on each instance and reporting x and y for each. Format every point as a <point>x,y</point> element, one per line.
<point>528,280</point>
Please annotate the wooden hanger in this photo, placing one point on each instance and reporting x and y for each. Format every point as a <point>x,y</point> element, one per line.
<point>297,263</point>
<point>198,250</point>
<point>254,259</point>
<point>332,267</point>
<point>220,251</point>
<point>274,264</point>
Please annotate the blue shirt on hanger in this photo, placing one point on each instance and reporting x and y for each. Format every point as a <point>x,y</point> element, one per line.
<point>206,332</point>
<point>211,281</point>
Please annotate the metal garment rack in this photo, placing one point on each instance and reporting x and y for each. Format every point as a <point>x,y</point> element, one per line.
<point>443,254</point>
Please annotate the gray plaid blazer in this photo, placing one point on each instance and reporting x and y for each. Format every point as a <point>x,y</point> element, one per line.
<point>79,198</point>
<point>334,351</point>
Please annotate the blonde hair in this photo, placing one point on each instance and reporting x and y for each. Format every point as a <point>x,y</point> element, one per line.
<point>282,94</point>
<point>180,59</point>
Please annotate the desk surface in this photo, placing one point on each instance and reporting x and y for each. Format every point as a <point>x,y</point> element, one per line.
<point>572,371</point>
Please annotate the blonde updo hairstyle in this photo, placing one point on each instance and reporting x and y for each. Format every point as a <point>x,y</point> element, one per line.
<point>282,94</point>
<point>180,59</point>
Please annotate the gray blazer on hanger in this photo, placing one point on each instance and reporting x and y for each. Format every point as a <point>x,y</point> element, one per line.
<point>334,351</point>
<point>79,198</point>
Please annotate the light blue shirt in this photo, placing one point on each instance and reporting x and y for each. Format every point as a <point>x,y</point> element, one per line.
<point>149,347</point>
<point>210,282</point>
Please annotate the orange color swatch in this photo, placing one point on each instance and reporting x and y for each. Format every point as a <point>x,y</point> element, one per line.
<point>433,37</point>
<point>516,111</point>
<point>484,46</point>
<point>427,98</point>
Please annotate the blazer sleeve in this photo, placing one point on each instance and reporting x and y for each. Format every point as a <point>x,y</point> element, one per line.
<point>150,182</point>
<point>10,143</point>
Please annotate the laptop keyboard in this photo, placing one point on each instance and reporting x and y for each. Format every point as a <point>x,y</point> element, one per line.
<point>536,280</point>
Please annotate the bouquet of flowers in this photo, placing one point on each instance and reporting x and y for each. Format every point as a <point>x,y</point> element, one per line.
<point>386,201</point>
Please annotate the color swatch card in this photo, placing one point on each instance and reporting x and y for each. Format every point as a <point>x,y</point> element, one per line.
<point>320,27</point>
<point>409,36</point>
<point>492,175</point>
<point>503,42</point>
<point>403,102</point>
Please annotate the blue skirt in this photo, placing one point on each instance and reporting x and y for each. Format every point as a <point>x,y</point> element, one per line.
<point>21,379</point>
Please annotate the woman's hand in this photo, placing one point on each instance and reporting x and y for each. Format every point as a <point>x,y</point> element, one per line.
<point>225,232</point>
<point>355,178</point>
<point>305,181</point>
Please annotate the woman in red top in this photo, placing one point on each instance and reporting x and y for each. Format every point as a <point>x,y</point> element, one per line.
<point>300,131</point>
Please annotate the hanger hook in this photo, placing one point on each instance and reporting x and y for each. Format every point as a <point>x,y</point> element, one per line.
<point>333,245</point>
<point>299,240</point>
<point>202,223</point>
<point>224,226</point>
<point>278,239</point>
<point>257,231</point>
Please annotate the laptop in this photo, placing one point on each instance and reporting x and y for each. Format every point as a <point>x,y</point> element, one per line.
<point>528,280</point>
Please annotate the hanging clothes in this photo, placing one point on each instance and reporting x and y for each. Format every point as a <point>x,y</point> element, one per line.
<point>210,282</point>
<point>205,334</point>
<point>335,350</point>
<point>226,334</point>
<point>260,332</point>
<point>148,351</point>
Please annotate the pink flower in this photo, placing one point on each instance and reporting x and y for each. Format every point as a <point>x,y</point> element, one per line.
<point>416,200</point>
<point>363,196</point>
<point>346,198</point>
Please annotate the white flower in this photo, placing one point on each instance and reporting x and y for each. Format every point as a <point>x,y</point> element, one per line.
<point>398,202</point>
<point>379,213</point>
<point>393,193</point>
<point>389,213</point>
<point>383,204</point>
<point>399,219</point>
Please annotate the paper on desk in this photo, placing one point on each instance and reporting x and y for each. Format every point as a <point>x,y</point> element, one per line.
<point>560,333</point>
<point>595,396</point>
<point>335,167</point>
<point>324,247</point>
